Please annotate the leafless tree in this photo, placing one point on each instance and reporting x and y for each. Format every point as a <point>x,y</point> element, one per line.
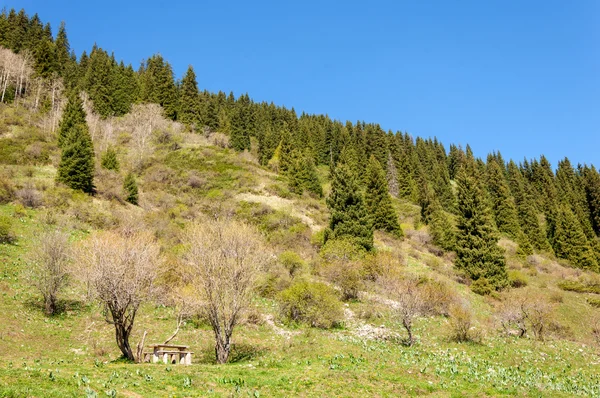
<point>526,311</point>
<point>120,271</point>
<point>50,259</point>
<point>409,303</point>
<point>223,262</point>
<point>141,122</point>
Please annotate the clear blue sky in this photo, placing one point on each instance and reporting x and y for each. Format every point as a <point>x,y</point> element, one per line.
<point>522,77</point>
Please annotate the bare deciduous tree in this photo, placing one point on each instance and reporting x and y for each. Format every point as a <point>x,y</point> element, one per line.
<point>409,303</point>
<point>49,267</point>
<point>224,259</point>
<point>525,311</point>
<point>120,270</point>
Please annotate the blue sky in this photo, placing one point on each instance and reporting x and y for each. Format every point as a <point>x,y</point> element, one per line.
<point>522,77</point>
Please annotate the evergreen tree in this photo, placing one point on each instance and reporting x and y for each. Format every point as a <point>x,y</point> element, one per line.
<point>109,160</point>
<point>571,243</point>
<point>189,99</point>
<point>76,167</point>
<point>527,214</point>
<point>503,205</point>
<point>349,218</point>
<point>131,189</point>
<point>442,229</point>
<point>303,175</point>
<point>378,200</point>
<point>591,182</point>
<point>478,253</point>
<point>73,115</point>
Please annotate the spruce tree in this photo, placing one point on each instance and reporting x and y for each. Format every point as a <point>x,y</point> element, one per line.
<point>528,217</point>
<point>378,200</point>
<point>349,218</point>
<point>570,241</point>
<point>189,99</point>
<point>76,167</point>
<point>478,253</point>
<point>109,160</point>
<point>303,175</point>
<point>503,204</point>
<point>73,115</point>
<point>442,228</point>
<point>131,189</point>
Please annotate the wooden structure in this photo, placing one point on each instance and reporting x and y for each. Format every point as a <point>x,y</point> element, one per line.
<point>169,354</point>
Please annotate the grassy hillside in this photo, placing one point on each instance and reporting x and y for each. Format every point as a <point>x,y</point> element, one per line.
<point>184,176</point>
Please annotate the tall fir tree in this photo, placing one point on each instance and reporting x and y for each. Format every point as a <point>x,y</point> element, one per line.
<point>378,200</point>
<point>349,218</point>
<point>189,99</point>
<point>478,253</point>
<point>76,167</point>
<point>73,115</point>
<point>302,175</point>
<point>504,209</point>
<point>570,241</point>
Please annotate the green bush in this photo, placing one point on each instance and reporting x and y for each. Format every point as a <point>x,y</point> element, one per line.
<point>313,303</point>
<point>6,235</point>
<point>292,262</point>
<point>517,279</point>
<point>341,249</point>
<point>7,190</point>
<point>593,301</point>
<point>580,287</point>
<point>482,287</point>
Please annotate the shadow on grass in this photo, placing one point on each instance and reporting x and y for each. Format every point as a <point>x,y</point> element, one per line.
<point>239,353</point>
<point>63,307</point>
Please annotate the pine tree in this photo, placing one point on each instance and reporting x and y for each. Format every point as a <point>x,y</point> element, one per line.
<point>76,167</point>
<point>131,189</point>
<point>503,205</point>
<point>378,200</point>
<point>73,115</point>
<point>109,160</point>
<point>348,214</point>
<point>442,229</point>
<point>591,183</point>
<point>478,253</point>
<point>570,241</point>
<point>532,233</point>
<point>303,175</point>
<point>239,139</point>
<point>189,99</point>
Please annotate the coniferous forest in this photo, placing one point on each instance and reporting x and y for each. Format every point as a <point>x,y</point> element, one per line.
<point>164,159</point>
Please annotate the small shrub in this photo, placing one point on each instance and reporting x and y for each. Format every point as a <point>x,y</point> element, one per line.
<point>29,197</point>
<point>313,303</point>
<point>584,285</point>
<point>516,279</point>
<point>461,323</point>
<point>341,250</point>
<point>7,190</point>
<point>382,263</point>
<point>6,234</point>
<point>557,297</point>
<point>109,160</point>
<point>439,297</point>
<point>593,301</point>
<point>482,287</point>
<point>292,262</point>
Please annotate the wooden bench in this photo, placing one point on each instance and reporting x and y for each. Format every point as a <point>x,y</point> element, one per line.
<point>169,354</point>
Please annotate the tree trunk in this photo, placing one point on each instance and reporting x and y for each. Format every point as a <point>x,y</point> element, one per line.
<point>408,327</point>
<point>222,349</point>
<point>122,335</point>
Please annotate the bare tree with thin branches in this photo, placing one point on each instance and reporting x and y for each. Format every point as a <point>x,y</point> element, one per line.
<point>50,260</point>
<point>223,261</point>
<point>120,271</point>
